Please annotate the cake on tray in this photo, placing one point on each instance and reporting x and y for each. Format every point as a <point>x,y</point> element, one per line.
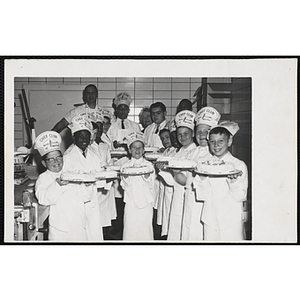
<point>137,170</point>
<point>216,167</point>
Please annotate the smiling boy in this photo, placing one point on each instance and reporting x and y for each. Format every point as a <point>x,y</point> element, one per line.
<point>65,223</point>
<point>80,157</point>
<point>223,196</point>
<point>138,193</point>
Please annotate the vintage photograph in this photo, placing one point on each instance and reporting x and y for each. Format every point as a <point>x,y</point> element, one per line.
<point>134,159</point>
<point>145,147</point>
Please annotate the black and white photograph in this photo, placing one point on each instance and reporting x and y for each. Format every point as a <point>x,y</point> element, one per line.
<point>131,216</point>
<point>150,151</point>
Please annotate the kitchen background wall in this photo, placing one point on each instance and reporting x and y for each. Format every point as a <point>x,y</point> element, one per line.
<point>55,96</point>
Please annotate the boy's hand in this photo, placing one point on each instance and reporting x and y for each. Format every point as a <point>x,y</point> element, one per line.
<point>234,177</point>
<point>160,165</point>
<point>62,182</point>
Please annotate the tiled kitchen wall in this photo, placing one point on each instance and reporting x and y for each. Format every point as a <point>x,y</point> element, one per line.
<point>144,91</point>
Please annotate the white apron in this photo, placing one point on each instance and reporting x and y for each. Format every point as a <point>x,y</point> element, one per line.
<point>192,228</point>
<point>139,199</point>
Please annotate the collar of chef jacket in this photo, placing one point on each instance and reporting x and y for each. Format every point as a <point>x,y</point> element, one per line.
<point>136,162</point>
<point>184,151</point>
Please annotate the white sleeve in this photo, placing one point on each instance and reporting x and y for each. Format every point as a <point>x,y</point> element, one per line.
<point>238,188</point>
<point>48,194</point>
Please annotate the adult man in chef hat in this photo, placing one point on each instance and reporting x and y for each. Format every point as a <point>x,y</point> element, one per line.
<point>206,118</point>
<point>122,126</point>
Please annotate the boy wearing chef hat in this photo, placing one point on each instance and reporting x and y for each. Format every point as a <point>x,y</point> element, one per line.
<point>65,214</point>
<point>192,229</point>
<point>118,130</point>
<point>177,178</point>
<point>206,118</point>
<point>138,211</point>
<point>223,196</point>
<point>79,157</point>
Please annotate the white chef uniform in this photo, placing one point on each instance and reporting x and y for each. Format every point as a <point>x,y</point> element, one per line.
<point>223,214</point>
<point>139,198</point>
<point>66,215</point>
<point>66,221</point>
<point>223,203</point>
<point>75,160</point>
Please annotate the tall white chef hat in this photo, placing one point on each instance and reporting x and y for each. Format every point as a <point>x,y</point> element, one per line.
<point>208,115</point>
<point>133,137</point>
<point>232,127</point>
<point>122,98</point>
<point>185,118</point>
<point>81,123</point>
<point>172,125</point>
<point>47,141</point>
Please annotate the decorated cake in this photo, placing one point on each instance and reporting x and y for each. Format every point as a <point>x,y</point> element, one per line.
<point>112,168</point>
<point>137,170</point>
<point>106,174</point>
<point>215,167</point>
<point>182,163</point>
<point>78,176</point>
<point>118,153</point>
<point>164,159</point>
<point>153,156</point>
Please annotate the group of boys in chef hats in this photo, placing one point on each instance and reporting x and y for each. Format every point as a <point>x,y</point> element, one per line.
<point>50,140</point>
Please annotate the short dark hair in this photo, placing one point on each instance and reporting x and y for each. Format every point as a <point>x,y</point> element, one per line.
<point>184,104</point>
<point>158,104</point>
<point>164,130</point>
<point>220,130</point>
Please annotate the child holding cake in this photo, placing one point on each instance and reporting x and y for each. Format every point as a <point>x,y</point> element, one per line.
<point>192,228</point>
<point>176,177</point>
<point>118,130</point>
<point>80,158</point>
<point>223,196</point>
<point>138,184</point>
<point>65,216</point>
